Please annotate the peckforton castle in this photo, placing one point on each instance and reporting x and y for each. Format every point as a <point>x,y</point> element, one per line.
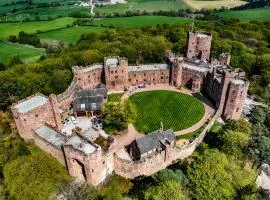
<point>39,118</point>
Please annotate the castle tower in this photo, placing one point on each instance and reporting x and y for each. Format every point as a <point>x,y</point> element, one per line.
<point>177,69</point>
<point>198,45</point>
<point>236,98</point>
<point>116,73</point>
<point>224,59</point>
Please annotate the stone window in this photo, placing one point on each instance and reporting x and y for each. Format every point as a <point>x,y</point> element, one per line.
<point>237,109</point>
<point>161,77</point>
<point>134,75</point>
<point>154,74</point>
<point>144,74</point>
<point>122,70</point>
<point>129,80</point>
<point>232,101</point>
<point>103,162</point>
<point>233,91</point>
<point>36,115</point>
<point>88,76</point>
<point>115,71</point>
<point>137,81</point>
<point>113,83</point>
<point>94,74</point>
<point>112,72</point>
<point>144,80</point>
<point>25,120</point>
<point>116,76</point>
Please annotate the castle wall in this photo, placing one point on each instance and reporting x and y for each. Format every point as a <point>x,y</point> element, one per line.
<point>50,149</point>
<point>188,76</point>
<point>89,77</point>
<point>148,77</point>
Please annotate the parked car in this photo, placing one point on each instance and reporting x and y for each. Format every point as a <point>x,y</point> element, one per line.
<point>141,85</point>
<point>73,119</point>
<point>64,123</point>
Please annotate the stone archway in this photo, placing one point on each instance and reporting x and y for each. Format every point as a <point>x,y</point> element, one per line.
<point>78,169</point>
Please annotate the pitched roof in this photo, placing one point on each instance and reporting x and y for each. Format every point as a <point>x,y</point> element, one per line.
<point>31,103</point>
<point>89,99</point>
<point>154,140</point>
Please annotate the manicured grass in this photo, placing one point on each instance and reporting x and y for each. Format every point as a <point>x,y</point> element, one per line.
<point>211,4</point>
<point>261,14</point>
<point>138,21</point>
<point>147,5</point>
<point>27,54</point>
<point>175,110</point>
<point>70,35</point>
<point>116,97</point>
<point>8,29</point>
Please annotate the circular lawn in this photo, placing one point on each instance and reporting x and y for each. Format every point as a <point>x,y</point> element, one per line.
<point>175,110</point>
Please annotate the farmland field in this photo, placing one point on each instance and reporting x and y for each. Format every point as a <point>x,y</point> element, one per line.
<point>147,5</point>
<point>70,35</point>
<point>261,14</point>
<point>175,110</point>
<point>9,50</point>
<point>8,29</point>
<point>211,4</point>
<point>138,21</point>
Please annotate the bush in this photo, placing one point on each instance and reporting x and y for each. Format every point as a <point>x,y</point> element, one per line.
<point>12,38</point>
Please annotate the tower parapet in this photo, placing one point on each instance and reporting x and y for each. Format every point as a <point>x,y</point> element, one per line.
<point>198,45</point>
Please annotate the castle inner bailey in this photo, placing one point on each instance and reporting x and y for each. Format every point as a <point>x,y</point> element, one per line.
<point>39,118</point>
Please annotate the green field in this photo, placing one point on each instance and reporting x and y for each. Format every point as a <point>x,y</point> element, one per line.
<point>70,35</point>
<point>260,14</point>
<point>147,5</point>
<point>8,29</point>
<point>175,110</point>
<point>45,13</point>
<point>27,54</point>
<point>139,21</point>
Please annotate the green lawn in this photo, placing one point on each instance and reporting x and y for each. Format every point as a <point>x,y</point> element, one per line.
<point>175,110</point>
<point>70,35</point>
<point>27,54</point>
<point>138,21</point>
<point>8,29</point>
<point>147,5</point>
<point>261,14</point>
<point>116,97</point>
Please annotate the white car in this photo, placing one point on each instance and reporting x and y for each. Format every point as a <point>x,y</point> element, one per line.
<point>73,119</point>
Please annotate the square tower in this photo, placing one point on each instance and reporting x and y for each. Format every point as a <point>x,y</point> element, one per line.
<point>198,45</point>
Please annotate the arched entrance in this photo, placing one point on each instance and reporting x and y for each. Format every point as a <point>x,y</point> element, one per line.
<point>78,169</point>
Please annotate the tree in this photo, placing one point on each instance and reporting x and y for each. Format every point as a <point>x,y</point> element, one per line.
<point>168,174</point>
<point>261,150</point>
<point>14,61</point>
<point>257,115</point>
<point>12,38</point>
<point>78,191</point>
<point>235,143</point>
<point>116,117</point>
<point>166,190</point>
<point>116,188</point>
<point>240,126</point>
<point>213,175</point>
<point>2,67</point>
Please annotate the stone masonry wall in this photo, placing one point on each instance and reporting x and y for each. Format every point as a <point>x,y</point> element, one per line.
<point>148,77</point>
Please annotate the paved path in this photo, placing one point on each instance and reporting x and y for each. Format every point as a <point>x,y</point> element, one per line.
<point>209,111</point>
<point>123,140</point>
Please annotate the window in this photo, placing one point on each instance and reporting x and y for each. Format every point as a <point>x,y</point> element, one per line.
<point>232,101</point>
<point>161,77</point>
<point>94,74</point>
<point>129,80</point>
<point>233,91</point>
<point>88,76</point>
<point>116,77</point>
<point>137,81</point>
<point>36,115</point>
<point>115,71</point>
<point>144,74</point>
<point>113,83</point>
<point>112,72</point>
<point>122,70</point>
<point>134,75</point>
<point>237,109</point>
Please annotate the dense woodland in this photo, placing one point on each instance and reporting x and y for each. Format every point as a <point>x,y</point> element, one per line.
<point>224,167</point>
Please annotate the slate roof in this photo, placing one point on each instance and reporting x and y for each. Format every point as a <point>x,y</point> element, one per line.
<point>89,99</point>
<point>31,103</point>
<point>154,140</point>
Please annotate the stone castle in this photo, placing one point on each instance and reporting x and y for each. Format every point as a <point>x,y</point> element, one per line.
<point>39,118</point>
